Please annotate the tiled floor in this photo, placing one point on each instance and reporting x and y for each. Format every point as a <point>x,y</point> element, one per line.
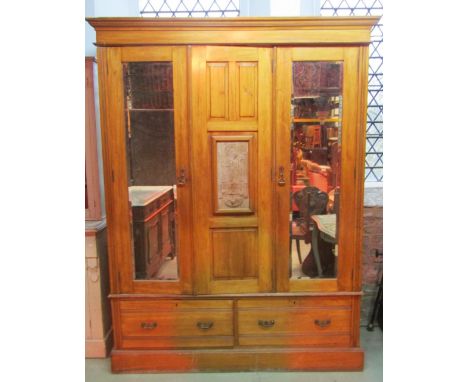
<point>98,370</point>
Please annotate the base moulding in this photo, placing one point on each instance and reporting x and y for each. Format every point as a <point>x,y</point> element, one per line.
<point>251,359</point>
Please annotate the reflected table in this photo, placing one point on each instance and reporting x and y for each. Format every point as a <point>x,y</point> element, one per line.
<point>324,226</point>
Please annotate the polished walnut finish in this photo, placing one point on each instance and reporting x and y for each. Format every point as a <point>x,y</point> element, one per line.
<point>234,306</point>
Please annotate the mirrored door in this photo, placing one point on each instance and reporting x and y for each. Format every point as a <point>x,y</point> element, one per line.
<point>315,117</point>
<point>150,167</point>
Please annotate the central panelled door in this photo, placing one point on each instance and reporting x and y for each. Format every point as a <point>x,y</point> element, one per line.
<point>231,167</point>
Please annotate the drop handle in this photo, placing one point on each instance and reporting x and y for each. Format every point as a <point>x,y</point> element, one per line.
<point>181,179</point>
<point>281,179</point>
<point>322,323</point>
<point>149,325</point>
<point>205,325</point>
<point>266,323</point>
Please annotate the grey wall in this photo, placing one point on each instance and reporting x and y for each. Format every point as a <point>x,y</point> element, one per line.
<point>106,8</point>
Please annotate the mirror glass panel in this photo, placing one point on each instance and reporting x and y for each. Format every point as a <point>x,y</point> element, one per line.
<point>316,110</point>
<point>151,169</point>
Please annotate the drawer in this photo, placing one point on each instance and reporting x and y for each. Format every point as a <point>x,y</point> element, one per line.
<point>176,324</point>
<point>299,322</point>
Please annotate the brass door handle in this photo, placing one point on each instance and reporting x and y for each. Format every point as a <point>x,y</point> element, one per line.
<point>205,325</point>
<point>181,179</point>
<point>322,323</point>
<point>281,180</point>
<point>266,323</point>
<point>149,325</point>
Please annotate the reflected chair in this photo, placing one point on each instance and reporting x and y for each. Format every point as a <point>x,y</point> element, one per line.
<point>310,201</point>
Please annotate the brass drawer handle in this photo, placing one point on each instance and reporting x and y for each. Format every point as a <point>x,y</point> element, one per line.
<point>266,323</point>
<point>205,325</point>
<point>149,325</point>
<point>322,323</point>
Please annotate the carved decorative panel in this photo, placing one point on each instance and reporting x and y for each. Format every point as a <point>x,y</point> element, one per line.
<point>232,173</point>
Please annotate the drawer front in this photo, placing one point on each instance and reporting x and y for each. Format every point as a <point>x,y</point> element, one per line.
<point>163,324</point>
<point>176,324</point>
<point>296,322</point>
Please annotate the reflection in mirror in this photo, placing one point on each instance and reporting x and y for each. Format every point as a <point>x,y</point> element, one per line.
<point>316,106</point>
<point>151,169</point>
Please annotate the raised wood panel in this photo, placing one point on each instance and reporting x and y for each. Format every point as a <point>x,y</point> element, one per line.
<point>233,91</point>
<point>235,253</point>
<point>248,90</point>
<point>217,90</point>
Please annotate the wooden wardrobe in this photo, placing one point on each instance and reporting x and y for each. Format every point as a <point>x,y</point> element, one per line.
<point>237,145</point>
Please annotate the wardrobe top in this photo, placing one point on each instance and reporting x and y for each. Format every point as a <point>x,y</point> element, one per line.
<point>121,31</point>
